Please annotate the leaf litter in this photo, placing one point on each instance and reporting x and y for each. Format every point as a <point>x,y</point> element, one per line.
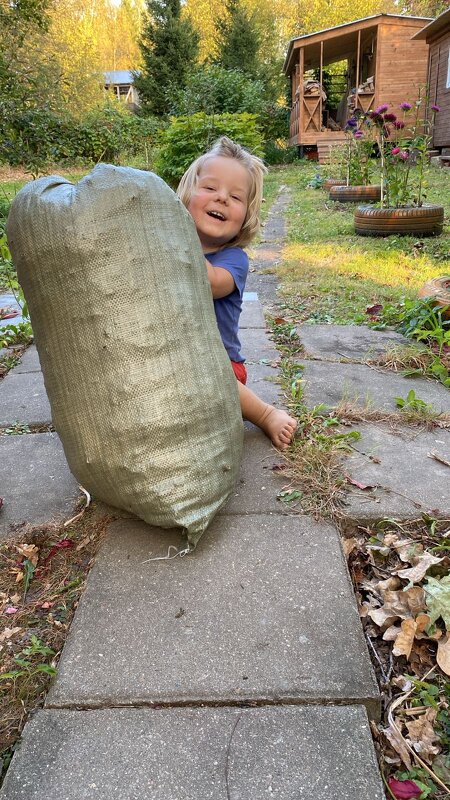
<point>400,571</point>
<point>43,571</point>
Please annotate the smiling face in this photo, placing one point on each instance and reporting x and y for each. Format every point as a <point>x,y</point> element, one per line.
<point>218,204</point>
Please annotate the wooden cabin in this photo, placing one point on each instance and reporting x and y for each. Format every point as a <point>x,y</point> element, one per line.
<point>383,65</point>
<point>120,81</point>
<point>437,35</point>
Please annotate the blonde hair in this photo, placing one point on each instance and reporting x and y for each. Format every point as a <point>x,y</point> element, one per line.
<point>256,169</point>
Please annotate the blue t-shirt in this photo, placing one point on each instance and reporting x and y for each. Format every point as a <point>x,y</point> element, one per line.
<point>228,309</point>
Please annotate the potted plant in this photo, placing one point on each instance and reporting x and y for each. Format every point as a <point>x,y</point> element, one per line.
<point>357,162</point>
<point>403,142</point>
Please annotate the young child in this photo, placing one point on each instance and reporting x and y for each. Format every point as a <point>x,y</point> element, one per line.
<point>222,190</point>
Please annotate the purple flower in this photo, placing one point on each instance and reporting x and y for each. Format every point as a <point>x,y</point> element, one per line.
<point>390,118</point>
<point>351,123</point>
<point>399,124</point>
<point>381,109</point>
<point>406,106</point>
<point>403,155</point>
<point>358,135</point>
<point>435,107</point>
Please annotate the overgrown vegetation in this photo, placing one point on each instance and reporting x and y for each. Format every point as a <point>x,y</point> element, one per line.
<point>400,574</point>
<point>42,576</point>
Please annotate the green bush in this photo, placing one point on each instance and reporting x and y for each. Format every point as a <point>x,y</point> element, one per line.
<point>187,137</point>
<point>108,133</point>
<point>212,89</point>
<point>278,154</point>
<point>36,138</point>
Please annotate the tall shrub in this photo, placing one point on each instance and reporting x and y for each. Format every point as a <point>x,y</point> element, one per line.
<point>188,137</point>
<point>169,47</point>
<point>237,39</point>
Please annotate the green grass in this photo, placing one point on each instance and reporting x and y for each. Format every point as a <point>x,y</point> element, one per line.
<point>329,274</point>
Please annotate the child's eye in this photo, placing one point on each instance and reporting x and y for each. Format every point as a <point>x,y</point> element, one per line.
<point>236,197</point>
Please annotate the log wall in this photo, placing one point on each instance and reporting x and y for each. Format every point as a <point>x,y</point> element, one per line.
<point>402,65</point>
<point>439,92</point>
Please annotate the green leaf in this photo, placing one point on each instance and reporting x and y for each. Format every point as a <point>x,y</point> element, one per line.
<point>437,598</point>
<point>46,668</point>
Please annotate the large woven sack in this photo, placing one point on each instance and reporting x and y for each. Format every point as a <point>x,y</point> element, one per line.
<point>141,389</point>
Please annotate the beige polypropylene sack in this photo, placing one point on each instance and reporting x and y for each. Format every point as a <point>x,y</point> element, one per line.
<point>141,389</point>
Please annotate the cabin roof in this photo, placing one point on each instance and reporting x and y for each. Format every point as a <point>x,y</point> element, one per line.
<point>118,77</point>
<point>343,36</point>
<point>435,27</point>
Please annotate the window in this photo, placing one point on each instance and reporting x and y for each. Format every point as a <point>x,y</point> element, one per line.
<point>448,71</point>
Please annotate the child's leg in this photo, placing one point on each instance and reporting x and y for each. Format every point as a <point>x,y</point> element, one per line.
<point>277,424</point>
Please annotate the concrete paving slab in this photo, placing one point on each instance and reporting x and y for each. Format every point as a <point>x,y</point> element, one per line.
<point>23,398</point>
<point>409,481</point>
<point>259,483</point>
<point>263,611</point>
<point>263,380</point>
<point>308,753</point>
<point>273,230</point>
<point>266,286</point>
<point>29,362</point>
<point>356,342</point>
<point>328,383</point>
<point>252,315</point>
<point>37,485</point>
<point>267,254</point>
<point>257,347</point>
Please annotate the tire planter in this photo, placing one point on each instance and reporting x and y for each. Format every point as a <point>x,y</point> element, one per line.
<point>439,288</point>
<point>428,220</point>
<point>333,182</point>
<point>355,194</point>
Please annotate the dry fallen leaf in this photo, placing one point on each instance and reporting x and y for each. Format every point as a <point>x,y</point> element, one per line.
<point>443,654</point>
<point>423,563</point>
<point>29,551</point>
<point>391,633</point>
<point>348,545</point>
<point>405,639</point>
<point>8,633</point>
<point>422,735</point>
<point>396,740</point>
<point>359,485</point>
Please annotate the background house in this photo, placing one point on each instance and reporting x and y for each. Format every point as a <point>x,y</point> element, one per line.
<point>121,83</point>
<point>383,65</point>
<point>437,35</point>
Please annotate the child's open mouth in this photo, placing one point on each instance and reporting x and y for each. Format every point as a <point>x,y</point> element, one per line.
<point>216,215</point>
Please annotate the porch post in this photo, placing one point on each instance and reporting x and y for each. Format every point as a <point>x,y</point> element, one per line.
<point>320,81</point>
<point>301,112</point>
<point>358,56</point>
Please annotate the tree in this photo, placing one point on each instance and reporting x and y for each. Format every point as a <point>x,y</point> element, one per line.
<point>23,75</point>
<point>169,47</point>
<point>237,40</point>
<point>424,8</point>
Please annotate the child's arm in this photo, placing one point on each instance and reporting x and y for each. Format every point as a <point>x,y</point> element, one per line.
<point>222,281</point>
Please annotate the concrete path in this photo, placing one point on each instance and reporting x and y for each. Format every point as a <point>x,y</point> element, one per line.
<point>395,462</point>
<point>237,673</point>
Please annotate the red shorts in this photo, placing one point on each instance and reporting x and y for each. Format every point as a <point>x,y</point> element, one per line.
<point>240,371</point>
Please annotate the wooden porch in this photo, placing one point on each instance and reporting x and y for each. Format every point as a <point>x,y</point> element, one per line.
<point>383,65</point>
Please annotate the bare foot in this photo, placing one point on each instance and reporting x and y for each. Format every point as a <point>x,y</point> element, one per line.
<point>278,425</point>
